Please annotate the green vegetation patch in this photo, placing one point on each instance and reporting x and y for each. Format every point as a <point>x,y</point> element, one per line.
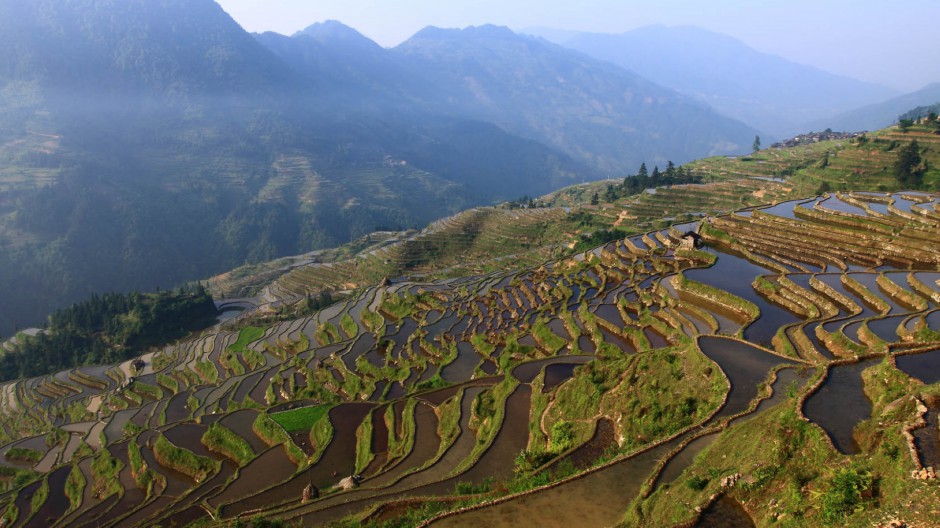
<point>39,497</point>
<point>105,469</point>
<point>75,487</point>
<point>183,460</point>
<point>272,433</point>
<point>223,440</point>
<point>246,335</point>
<point>364,454</point>
<point>23,454</point>
<point>302,419</point>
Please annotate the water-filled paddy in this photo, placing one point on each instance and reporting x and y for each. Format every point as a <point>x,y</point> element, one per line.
<point>840,404</point>
<point>745,365</point>
<point>924,366</point>
<point>735,275</point>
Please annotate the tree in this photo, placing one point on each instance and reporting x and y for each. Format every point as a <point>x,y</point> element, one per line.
<point>642,173</point>
<point>595,199</point>
<point>908,170</point>
<point>904,124</point>
<point>756,145</point>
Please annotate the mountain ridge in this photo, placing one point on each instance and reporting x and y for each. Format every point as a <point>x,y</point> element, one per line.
<point>773,94</point>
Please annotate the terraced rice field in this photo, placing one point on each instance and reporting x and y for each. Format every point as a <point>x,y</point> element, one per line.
<point>584,389</point>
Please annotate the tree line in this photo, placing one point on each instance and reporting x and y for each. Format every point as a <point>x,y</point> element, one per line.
<point>107,329</point>
<point>643,179</point>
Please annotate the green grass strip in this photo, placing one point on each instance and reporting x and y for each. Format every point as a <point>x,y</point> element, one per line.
<point>183,460</point>
<point>223,440</point>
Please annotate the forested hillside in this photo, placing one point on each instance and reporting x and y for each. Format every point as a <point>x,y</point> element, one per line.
<point>146,143</point>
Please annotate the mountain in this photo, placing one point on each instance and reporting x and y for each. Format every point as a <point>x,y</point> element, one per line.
<point>599,113</point>
<point>880,115</point>
<point>145,143</point>
<point>765,91</point>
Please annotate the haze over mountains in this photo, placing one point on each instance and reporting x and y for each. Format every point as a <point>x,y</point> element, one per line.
<point>770,93</point>
<point>149,142</point>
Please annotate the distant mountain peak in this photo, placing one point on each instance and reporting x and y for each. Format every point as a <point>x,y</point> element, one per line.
<point>487,31</point>
<point>334,31</point>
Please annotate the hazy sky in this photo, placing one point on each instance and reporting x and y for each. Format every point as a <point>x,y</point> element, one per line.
<point>896,42</point>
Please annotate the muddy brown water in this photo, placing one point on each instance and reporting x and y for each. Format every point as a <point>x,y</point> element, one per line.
<point>379,443</point>
<point>735,274</point>
<point>114,431</point>
<point>336,463</point>
<point>725,513</point>
<point>557,326</point>
<point>413,377</point>
<point>497,461</point>
<point>183,512</point>
<point>609,491</point>
<point>143,416</point>
<point>527,372</point>
<point>745,365</point>
<point>364,343</point>
<point>586,345</point>
<point>924,366</point>
<point>422,483</point>
<point>840,404</point>
<point>269,468</point>
<point>189,436</point>
<point>556,374</point>
<point>240,422</point>
<point>56,502</point>
<point>176,483</point>
<point>132,496</point>
<point>245,386</point>
<point>176,408</point>
<point>656,339</point>
<point>609,313</point>
<point>426,445</point>
<point>95,515</point>
<point>258,392</point>
<point>427,373</point>
<point>379,390</point>
<point>489,367</point>
<point>927,440</point>
<point>622,343</point>
<point>461,369</point>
